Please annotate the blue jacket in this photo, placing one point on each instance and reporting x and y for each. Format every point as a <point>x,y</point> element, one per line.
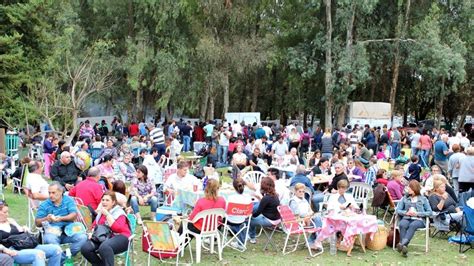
<point>422,206</point>
<point>300,178</point>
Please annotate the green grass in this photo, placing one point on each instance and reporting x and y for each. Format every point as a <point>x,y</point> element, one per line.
<point>441,252</point>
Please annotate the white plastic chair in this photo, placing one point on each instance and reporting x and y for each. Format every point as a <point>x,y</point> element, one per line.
<point>210,222</point>
<point>361,192</point>
<point>253,177</point>
<point>242,210</point>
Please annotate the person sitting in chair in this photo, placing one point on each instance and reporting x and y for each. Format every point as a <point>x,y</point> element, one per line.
<point>413,208</point>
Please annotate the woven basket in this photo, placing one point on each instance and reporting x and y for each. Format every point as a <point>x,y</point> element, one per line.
<point>379,241</point>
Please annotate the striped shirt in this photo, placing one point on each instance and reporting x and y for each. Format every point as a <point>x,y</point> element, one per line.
<point>157,136</point>
<point>66,207</point>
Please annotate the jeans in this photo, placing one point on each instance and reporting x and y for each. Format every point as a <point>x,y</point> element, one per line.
<point>38,255</point>
<point>161,149</point>
<point>255,221</point>
<point>318,197</point>
<point>222,153</point>
<point>414,151</point>
<point>395,150</point>
<point>76,241</point>
<point>242,235</point>
<point>106,250</point>
<point>186,143</point>
<point>408,228</point>
<point>153,202</point>
<point>318,223</point>
<point>424,158</point>
<point>6,260</point>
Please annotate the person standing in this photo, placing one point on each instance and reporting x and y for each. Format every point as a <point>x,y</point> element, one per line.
<point>441,152</point>
<point>186,130</point>
<point>223,147</point>
<point>454,165</point>
<point>466,171</point>
<point>48,149</point>
<point>157,138</point>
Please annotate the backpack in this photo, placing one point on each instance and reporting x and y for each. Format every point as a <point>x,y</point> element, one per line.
<point>305,140</point>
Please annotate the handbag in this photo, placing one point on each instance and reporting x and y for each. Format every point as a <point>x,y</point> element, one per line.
<point>21,241</point>
<point>101,233</point>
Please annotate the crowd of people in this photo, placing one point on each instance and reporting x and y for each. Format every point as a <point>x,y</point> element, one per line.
<point>427,172</point>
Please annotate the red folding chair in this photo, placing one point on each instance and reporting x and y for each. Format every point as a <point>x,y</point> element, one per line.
<point>292,226</point>
<point>241,210</point>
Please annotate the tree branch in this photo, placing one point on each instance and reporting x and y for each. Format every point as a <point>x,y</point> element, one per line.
<point>388,40</point>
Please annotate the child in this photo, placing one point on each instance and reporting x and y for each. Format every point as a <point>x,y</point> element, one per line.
<point>381,154</point>
<point>414,170</point>
<point>402,158</point>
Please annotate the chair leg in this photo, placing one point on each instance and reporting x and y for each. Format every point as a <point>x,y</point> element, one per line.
<point>198,249</point>
<point>219,248</point>
<point>394,233</point>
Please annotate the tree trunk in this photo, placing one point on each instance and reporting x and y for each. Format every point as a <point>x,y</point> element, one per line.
<point>225,108</point>
<point>328,74</point>
<point>169,112</point>
<point>396,64</point>
<point>75,115</point>
<point>139,104</point>
<point>210,112</point>
<point>253,106</point>
<point>341,115</point>
<point>439,108</point>
<point>205,99</point>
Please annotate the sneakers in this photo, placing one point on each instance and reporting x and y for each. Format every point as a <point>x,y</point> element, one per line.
<point>236,245</point>
<point>316,246</point>
<point>253,241</point>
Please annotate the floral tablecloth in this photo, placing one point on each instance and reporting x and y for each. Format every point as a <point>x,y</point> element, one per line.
<point>349,225</point>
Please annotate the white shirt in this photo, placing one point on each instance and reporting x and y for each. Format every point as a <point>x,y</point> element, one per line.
<point>333,202</point>
<point>280,148</point>
<point>236,129</point>
<point>415,139</point>
<point>175,182</point>
<point>239,199</point>
<point>465,142</point>
<point>98,145</point>
<point>268,131</point>
<point>36,184</point>
<point>153,168</point>
<point>300,207</point>
<point>223,138</point>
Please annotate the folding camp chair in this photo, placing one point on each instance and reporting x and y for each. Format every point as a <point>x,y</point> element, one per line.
<point>292,226</point>
<point>242,210</point>
<point>162,240</point>
<point>467,231</point>
<point>132,222</point>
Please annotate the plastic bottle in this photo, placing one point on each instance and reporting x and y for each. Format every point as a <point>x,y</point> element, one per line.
<point>68,261</point>
<point>332,245</point>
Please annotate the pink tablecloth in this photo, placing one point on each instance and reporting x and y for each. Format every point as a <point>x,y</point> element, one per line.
<point>349,226</point>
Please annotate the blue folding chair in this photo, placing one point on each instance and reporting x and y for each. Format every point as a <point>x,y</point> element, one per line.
<point>467,230</point>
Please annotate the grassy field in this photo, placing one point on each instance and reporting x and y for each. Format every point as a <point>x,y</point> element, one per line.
<point>441,252</point>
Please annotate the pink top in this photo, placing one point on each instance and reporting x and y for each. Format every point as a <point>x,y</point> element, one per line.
<point>425,142</point>
<point>395,189</point>
<point>205,204</point>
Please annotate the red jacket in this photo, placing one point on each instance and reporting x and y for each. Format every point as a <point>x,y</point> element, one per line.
<point>119,227</point>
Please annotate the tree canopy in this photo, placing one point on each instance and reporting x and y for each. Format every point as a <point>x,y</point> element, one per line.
<point>202,58</point>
